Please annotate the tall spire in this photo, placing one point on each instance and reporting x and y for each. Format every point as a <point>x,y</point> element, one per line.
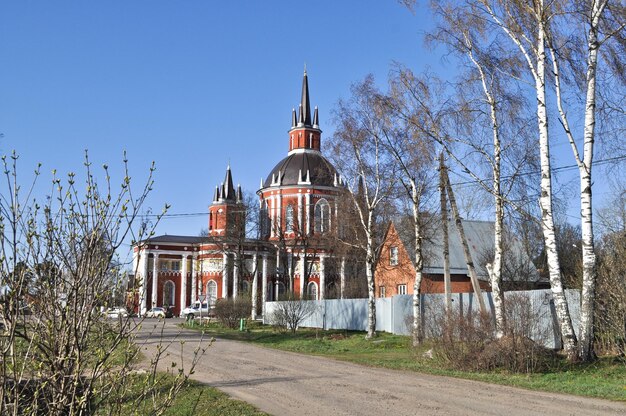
<point>305,131</point>
<point>306,106</point>
<point>229,189</point>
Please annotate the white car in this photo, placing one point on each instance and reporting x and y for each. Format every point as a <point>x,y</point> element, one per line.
<point>114,313</point>
<point>159,312</point>
<point>197,310</point>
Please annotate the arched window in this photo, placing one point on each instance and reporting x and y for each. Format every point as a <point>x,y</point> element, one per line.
<point>311,291</point>
<point>168,293</point>
<point>322,216</point>
<point>245,286</point>
<point>289,218</point>
<point>211,292</point>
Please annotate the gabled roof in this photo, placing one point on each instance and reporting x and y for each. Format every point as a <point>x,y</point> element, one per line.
<point>480,238</point>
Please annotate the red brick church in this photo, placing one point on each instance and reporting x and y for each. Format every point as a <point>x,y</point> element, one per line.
<point>298,207</point>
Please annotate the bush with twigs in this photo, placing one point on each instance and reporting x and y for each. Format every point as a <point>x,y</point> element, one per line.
<point>291,311</point>
<point>230,311</point>
<point>468,341</point>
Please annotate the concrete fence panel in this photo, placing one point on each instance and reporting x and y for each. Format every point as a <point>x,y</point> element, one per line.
<point>533,309</point>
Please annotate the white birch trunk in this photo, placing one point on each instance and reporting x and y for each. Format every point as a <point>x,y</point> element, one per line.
<point>255,285</point>
<point>586,352</point>
<point>264,282</point>
<point>419,265</point>
<point>236,269</point>
<point>370,263</point>
<point>545,201</point>
<point>495,272</point>
<point>494,269</point>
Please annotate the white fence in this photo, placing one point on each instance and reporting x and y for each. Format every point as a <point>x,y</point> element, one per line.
<point>394,314</point>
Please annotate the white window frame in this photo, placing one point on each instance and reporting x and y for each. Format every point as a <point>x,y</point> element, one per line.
<point>402,289</point>
<point>321,216</point>
<point>393,256</point>
<point>311,286</point>
<point>289,218</point>
<point>381,292</point>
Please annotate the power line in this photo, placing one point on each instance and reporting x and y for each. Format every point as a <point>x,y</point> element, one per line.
<point>556,169</point>
<point>468,182</point>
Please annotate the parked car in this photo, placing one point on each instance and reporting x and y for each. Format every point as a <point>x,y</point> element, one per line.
<point>159,312</point>
<point>114,313</point>
<point>197,309</point>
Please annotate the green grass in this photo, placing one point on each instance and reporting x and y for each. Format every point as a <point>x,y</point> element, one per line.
<point>196,399</point>
<point>604,378</point>
<point>192,399</point>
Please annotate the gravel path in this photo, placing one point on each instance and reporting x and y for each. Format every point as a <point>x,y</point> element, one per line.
<point>284,383</point>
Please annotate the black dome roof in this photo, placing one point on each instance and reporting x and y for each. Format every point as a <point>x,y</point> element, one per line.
<point>321,172</point>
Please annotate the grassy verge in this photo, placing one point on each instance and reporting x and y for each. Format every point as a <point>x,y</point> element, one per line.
<point>605,378</point>
<point>192,399</point>
<point>196,399</point>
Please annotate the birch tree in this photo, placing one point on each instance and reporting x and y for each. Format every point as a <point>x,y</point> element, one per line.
<point>457,120</point>
<point>462,28</point>
<point>546,34</point>
<point>602,19</point>
<point>359,153</point>
<point>413,152</point>
<point>525,26</point>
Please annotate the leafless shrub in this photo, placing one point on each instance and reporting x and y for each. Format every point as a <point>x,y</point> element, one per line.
<point>610,334</point>
<point>468,341</point>
<point>521,349</point>
<point>291,311</point>
<point>230,311</point>
<point>57,256</point>
<point>463,338</point>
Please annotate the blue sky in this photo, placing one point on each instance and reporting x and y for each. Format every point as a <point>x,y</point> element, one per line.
<point>191,85</point>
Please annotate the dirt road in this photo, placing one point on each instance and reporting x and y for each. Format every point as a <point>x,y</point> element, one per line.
<point>283,383</point>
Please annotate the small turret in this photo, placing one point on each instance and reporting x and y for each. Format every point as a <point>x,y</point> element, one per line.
<point>239,194</point>
<point>225,216</point>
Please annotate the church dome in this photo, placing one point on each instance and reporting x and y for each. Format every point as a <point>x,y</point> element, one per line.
<point>293,170</point>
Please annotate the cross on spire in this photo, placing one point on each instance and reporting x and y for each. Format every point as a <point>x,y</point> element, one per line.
<point>305,106</point>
